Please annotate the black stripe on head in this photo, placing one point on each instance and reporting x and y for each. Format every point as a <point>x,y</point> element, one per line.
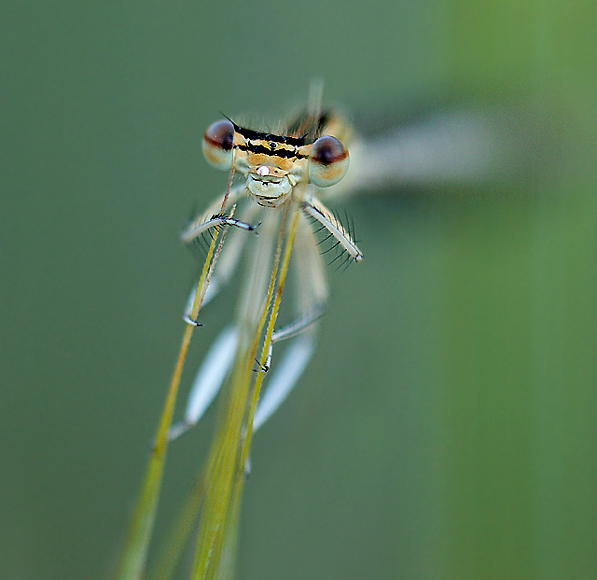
<point>255,135</point>
<point>281,152</point>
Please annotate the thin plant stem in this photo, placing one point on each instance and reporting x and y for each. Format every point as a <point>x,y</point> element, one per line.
<point>218,527</point>
<point>225,566</point>
<point>133,558</point>
<point>269,333</point>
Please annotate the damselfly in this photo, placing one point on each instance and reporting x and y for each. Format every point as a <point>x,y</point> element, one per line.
<point>283,172</point>
<point>273,219</point>
<point>283,176</point>
<point>286,175</point>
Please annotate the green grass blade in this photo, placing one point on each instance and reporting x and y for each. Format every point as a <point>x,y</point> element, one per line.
<point>134,555</point>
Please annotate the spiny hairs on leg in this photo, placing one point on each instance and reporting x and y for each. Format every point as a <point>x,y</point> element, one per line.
<point>335,234</point>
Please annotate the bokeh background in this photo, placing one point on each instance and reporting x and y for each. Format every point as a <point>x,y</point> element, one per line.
<point>446,428</point>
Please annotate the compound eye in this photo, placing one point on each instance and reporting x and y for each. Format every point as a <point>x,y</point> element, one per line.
<point>217,144</point>
<point>328,161</point>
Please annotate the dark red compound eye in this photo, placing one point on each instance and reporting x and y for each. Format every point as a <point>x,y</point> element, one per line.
<point>328,161</point>
<point>217,144</point>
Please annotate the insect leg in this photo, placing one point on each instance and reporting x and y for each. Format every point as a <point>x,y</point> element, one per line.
<point>214,215</point>
<point>196,229</point>
<point>227,262</point>
<point>285,376</point>
<point>293,329</point>
<point>316,210</point>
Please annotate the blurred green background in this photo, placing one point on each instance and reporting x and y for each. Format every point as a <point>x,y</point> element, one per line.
<point>446,428</point>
